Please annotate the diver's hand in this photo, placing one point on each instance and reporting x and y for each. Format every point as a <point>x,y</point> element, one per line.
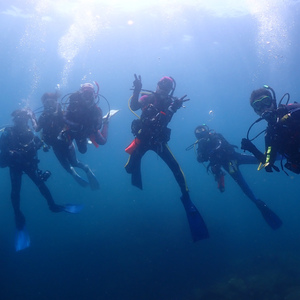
<point>137,83</point>
<point>177,103</point>
<point>182,99</point>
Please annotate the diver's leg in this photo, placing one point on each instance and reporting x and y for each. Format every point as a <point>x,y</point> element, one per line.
<point>33,175</point>
<point>197,225</point>
<point>93,182</point>
<point>270,217</point>
<point>133,165</point>
<point>239,179</point>
<point>16,180</point>
<point>246,159</point>
<point>166,155</point>
<point>60,151</point>
<point>22,239</point>
<point>63,151</point>
<point>81,145</point>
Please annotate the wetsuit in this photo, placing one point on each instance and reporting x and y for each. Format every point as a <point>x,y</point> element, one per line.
<point>84,120</point>
<point>19,148</point>
<point>153,134</point>
<point>221,154</point>
<point>152,131</point>
<point>283,137</point>
<point>51,122</point>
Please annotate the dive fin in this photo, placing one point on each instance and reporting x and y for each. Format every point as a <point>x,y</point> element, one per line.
<point>78,178</point>
<point>94,184</point>
<point>197,225</point>
<point>22,239</point>
<point>270,217</point>
<point>136,179</point>
<point>81,181</point>
<point>73,209</point>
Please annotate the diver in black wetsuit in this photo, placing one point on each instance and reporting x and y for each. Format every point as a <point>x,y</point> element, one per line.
<point>19,147</point>
<point>84,118</point>
<point>282,136</point>
<point>215,149</point>
<point>51,122</point>
<point>152,133</point>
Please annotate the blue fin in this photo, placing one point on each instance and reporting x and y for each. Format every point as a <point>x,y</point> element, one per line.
<point>22,240</point>
<point>197,225</point>
<point>270,217</point>
<point>73,209</point>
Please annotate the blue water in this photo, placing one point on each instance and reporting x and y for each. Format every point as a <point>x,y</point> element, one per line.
<point>130,244</point>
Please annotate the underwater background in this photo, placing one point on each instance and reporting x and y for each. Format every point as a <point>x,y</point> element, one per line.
<point>131,244</point>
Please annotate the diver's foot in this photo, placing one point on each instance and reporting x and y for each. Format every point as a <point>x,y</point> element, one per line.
<point>22,239</point>
<point>20,220</point>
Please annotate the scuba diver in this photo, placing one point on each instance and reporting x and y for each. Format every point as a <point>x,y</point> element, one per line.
<point>220,154</point>
<point>151,133</point>
<point>282,132</point>
<point>51,122</point>
<point>19,147</point>
<point>83,118</point>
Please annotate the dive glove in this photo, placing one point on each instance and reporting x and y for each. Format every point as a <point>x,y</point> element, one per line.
<point>137,83</point>
<point>177,103</point>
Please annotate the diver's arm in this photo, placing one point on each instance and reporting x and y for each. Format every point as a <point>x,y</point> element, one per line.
<point>137,84</point>
<point>249,146</point>
<point>174,106</point>
<point>201,154</point>
<point>134,102</point>
<point>39,124</point>
<point>102,136</point>
<point>258,154</point>
<point>99,122</point>
<point>4,140</point>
